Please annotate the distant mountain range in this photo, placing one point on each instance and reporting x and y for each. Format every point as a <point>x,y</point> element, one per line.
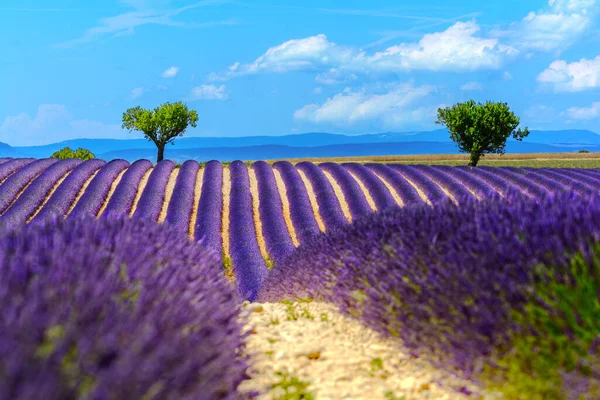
<point>315,144</point>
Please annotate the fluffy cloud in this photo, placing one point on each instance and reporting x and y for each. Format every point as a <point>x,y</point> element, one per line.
<point>209,92</point>
<point>54,123</point>
<point>391,107</point>
<point>170,72</point>
<point>137,92</point>
<point>572,77</point>
<point>507,76</point>
<point>584,113</point>
<point>553,28</point>
<point>540,113</point>
<point>471,86</point>
<point>458,49</point>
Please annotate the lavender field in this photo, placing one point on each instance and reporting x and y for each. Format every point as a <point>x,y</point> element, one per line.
<point>438,257</point>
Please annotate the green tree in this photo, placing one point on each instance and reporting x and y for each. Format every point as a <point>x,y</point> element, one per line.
<point>66,152</point>
<point>480,129</point>
<point>161,125</point>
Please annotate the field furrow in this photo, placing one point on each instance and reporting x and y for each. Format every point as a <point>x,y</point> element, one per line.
<point>353,195</point>
<point>379,192</point>
<point>574,183</point>
<point>446,182</point>
<point>60,202</point>
<point>407,193</point>
<point>270,208</point>
<point>152,198</point>
<point>34,194</point>
<point>478,187</point>
<point>95,194</point>
<point>122,200</point>
<point>522,184</point>
<point>285,204</point>
<point>17,182</point>
<point>329,207</point>
<point>302,215</point>
<point>11,166</point>
<point>169,188</point>
<point>421,182</point>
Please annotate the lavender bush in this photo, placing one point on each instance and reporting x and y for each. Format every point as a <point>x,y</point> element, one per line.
<point>356,199</point>
<point>444,279</point>
<point>210,207</point>
<point>122,199</point>
<point>115,308</point>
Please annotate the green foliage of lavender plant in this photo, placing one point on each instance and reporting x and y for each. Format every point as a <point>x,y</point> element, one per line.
<point>557,336</point>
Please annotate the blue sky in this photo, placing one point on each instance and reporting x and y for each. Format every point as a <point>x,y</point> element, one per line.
<point>69,69</point>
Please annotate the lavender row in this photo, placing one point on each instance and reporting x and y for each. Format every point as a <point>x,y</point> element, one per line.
<point>380,194</point>
<point>550,184</point>
<point>524,185</point>
<point>95,194</point>
<point>568,182</point>
<point>13,185</point>
<point>153,196</point>
<point>405,190</point>
<point>355,198</point>
<point>10,167</point>
<point>277,238</point>
<point>303,218</point>
<point>61,200</point>
<point>330,209</point>
<point>498,183</point>
<point>453,301</point>
<point>579,174</point>
<point>122,199</point>
<point>426,185</point>
<point>210,207</point>
<point>33,196</point>
<point>180,207</point>
<point>473,183</point>
<point>446,181</point>
<point>249,267</point>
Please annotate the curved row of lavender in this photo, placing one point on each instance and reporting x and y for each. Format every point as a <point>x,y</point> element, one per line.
<point>249,267</point>
<point>122,199</point>
<point>210,206</point>
<point>303,218</point>
<point>114,329</point>
<point>329,205</point>
<point>31,198</point>
<point>448,281</point>
<point>277,239</point>
<point>153,196</point>
<point>179,211</point>
<point>355,198</point>
<point>96,193</point>
<point>460,182</point>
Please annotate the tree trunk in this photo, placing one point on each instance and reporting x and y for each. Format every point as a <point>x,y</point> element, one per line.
<point>474,159</point>
<point>161,153</point>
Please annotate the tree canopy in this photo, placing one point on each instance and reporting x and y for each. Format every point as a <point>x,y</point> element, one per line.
<point>81,153</point>
<point>480,129</point>
<point>161,125</point>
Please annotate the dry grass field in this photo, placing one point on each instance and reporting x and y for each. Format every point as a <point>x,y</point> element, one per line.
<point>552,160</point>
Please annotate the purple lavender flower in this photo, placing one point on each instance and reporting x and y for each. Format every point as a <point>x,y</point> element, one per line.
<point>210,206</point>
<point>122,199</point>
<point>115,308</point>
<point>357,202</point>
<point>249,267</point>
<point>180,207</point>
<point>153,196</point>
<point>277,238</point>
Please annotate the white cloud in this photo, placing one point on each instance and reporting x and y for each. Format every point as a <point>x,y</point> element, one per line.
<point>572,77</point>
<point>349,107</point>
<point>584,113</point>
<point>170,72</point>
<point>507,76</point>
<point>318,90</point>
<point>209,92</point>
<point>540,113</point>
<point>471,86</point>
<point>54,123</point>
<point>137,92</point>
<point>455,49</point>
<point>554,28</point>
<point>125,24</point>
